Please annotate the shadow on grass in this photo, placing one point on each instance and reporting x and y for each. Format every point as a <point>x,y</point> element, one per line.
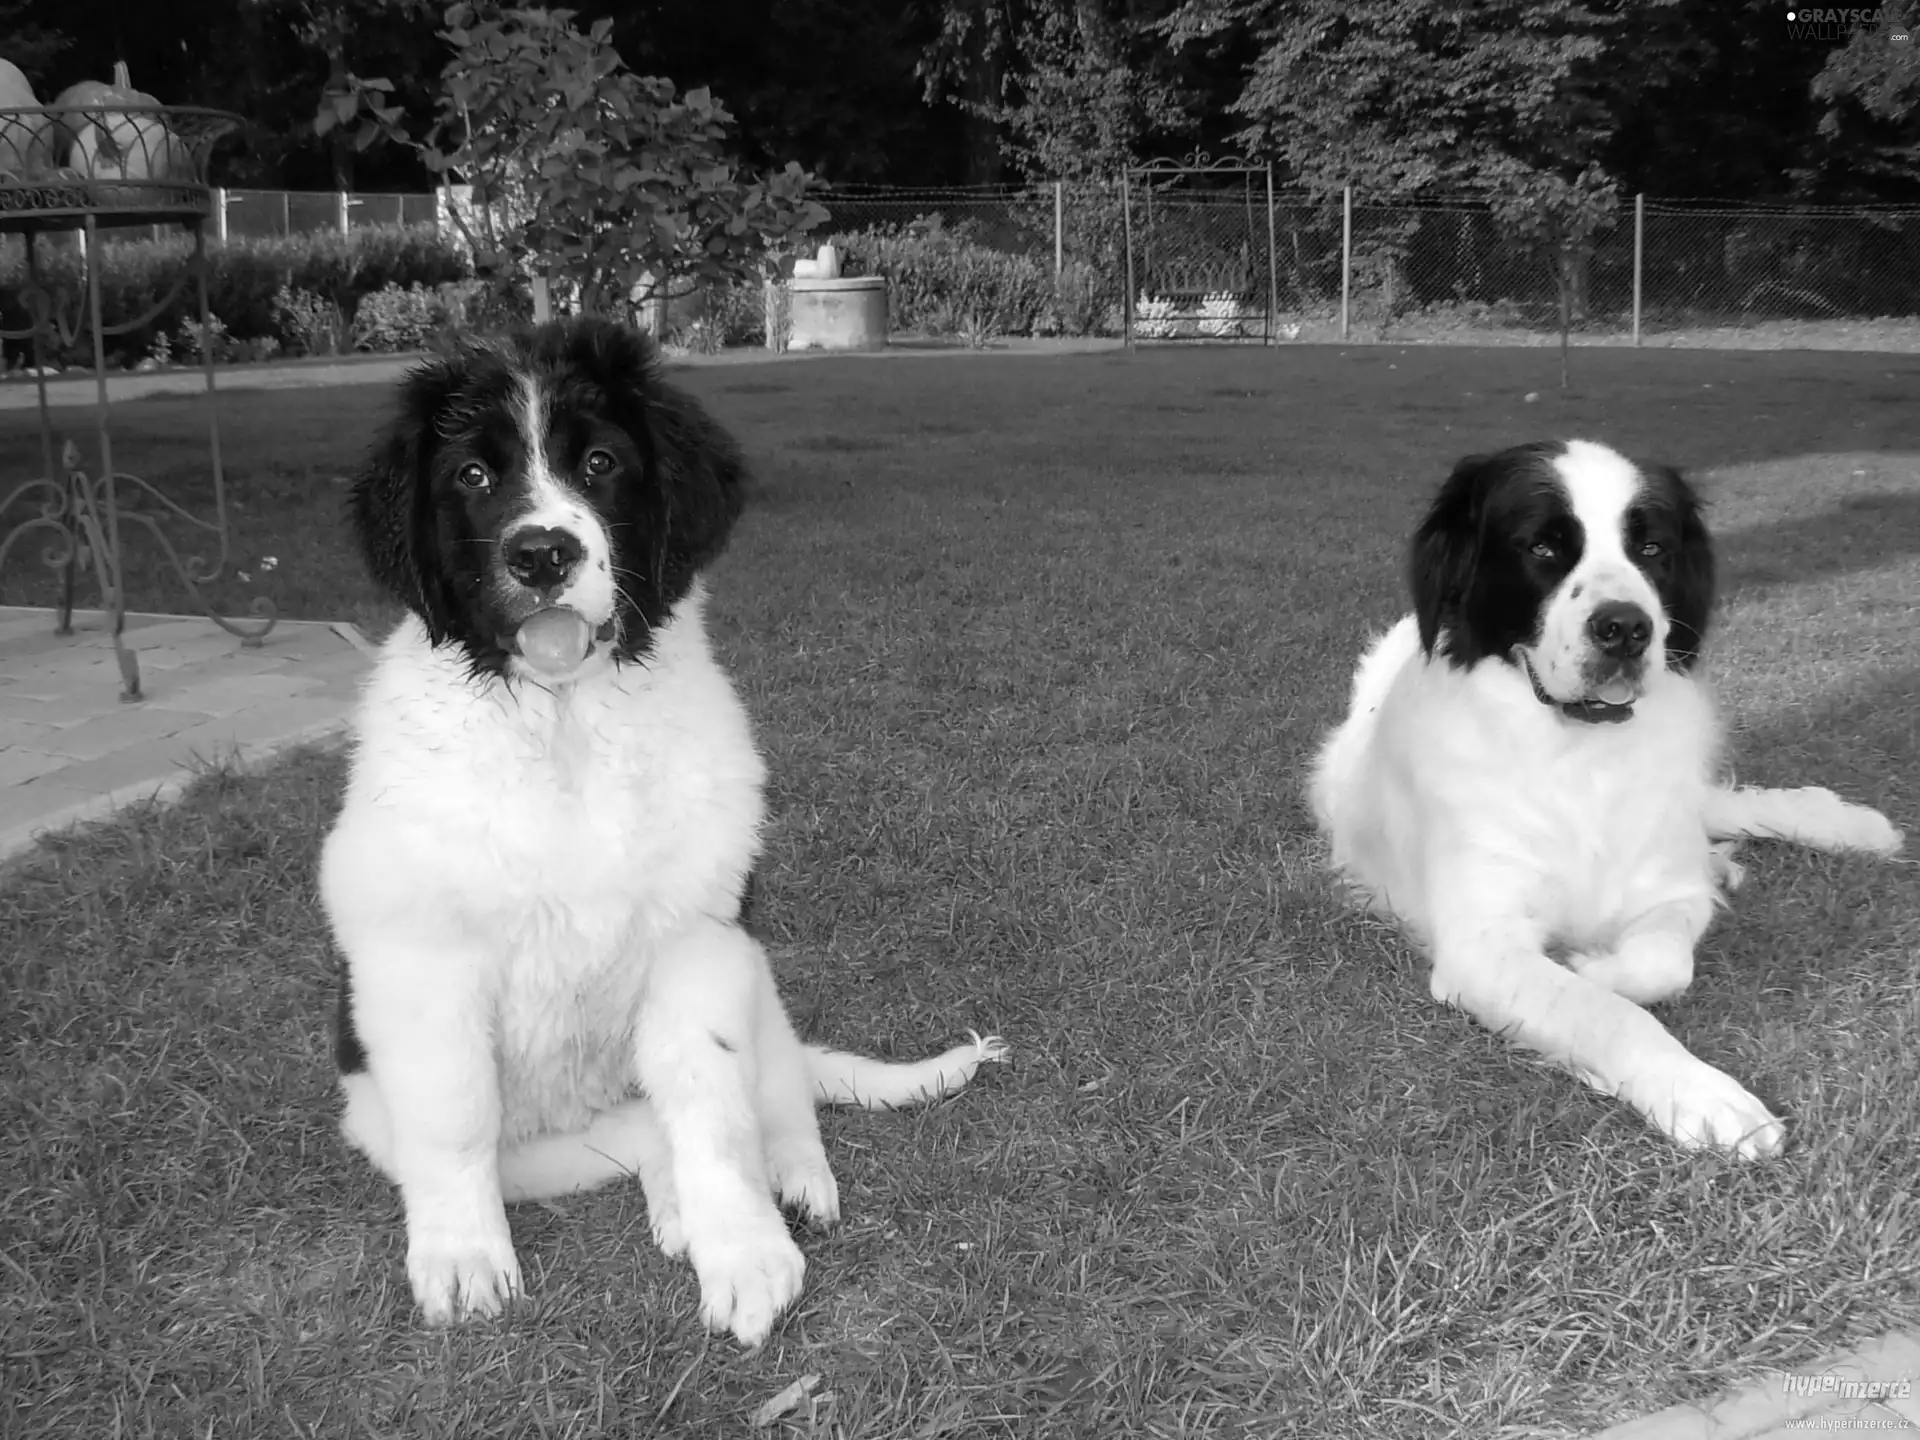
<point>1860,532</point>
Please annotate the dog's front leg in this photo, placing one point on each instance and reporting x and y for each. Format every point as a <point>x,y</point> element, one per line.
<point>1652,958</point>
<point>428,1035</point>
<point>695,1058</point>
<point>1500,974</point>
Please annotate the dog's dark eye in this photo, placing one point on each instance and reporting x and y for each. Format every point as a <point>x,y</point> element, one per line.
<point>475,477</point>
<point>600,462</point>
<point>1543,549</point>
<point>1652,548</point>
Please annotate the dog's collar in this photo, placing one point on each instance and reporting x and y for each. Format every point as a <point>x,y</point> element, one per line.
<point>1588,712</point>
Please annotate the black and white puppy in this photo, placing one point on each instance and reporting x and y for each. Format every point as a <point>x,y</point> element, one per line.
<point>554,808</point>
<point>1528,776</point>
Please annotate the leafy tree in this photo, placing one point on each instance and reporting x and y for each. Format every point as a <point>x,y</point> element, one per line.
<point>345,34</point>
<point>829,83</point>
<point>1075,88</point>
<point>612,182</point>
<point>1869,88</point>
<point>31,45</point>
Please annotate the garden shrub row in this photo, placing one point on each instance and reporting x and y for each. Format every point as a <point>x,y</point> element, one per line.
<point>944,281</point>
<point>254,286</point>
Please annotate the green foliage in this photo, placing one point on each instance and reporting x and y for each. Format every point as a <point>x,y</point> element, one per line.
<point>1870,121</point>
<point>244,280</point>
<point>1088,85</point>
<point>608,182</point>
<point>309,324</point>
<point>940,281</point>
<point>408,318</point>
<point>1396,98</point>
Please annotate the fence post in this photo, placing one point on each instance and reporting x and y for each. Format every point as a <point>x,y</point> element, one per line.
<point>1059,228</point>
<point>1126,221</point>
<point>340,204</point>
<point>220,214</point>
<point>1346,256</point>
<point>1273,265</point>
<point>1639,246</point>
<point>286,213</point>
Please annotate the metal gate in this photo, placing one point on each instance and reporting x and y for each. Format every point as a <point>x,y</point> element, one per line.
<point>1200,250</point>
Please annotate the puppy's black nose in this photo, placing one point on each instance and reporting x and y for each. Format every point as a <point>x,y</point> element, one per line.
<point>1621,629</point>
<point>542,559</point>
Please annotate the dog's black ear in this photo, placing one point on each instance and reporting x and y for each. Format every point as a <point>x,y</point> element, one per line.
<point>1446,548</point>
<point>390,507</point>
<point>1687,591</point>
<point>701,475</point>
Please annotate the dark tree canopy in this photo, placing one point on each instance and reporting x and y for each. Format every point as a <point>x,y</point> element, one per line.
<point>1674,97</point>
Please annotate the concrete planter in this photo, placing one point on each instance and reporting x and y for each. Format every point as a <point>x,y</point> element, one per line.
<point>841,314</point>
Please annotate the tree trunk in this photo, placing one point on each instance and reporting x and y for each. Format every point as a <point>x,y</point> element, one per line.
<point>340,148</point>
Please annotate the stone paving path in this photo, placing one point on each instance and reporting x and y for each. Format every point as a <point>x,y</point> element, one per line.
<point>72,750</point>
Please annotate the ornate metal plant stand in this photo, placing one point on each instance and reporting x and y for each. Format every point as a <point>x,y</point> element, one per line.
<point>96,168</point>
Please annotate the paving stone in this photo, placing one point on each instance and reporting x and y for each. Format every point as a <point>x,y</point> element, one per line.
<point>19,765</point>
<point>231,694</point>
<point>25,710</point>
<point>124,729</point>
<point>281,721</point>
<point>104,774</point>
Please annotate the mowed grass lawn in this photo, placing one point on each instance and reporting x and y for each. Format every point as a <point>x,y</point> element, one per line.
<point>1038,648</point>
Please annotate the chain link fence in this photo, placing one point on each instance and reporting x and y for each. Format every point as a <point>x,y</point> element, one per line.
<point>1359,269</point>
<point>260,214</point>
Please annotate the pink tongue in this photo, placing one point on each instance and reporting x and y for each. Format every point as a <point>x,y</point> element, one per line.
<point>555,640</point>
<point>1617,692</point>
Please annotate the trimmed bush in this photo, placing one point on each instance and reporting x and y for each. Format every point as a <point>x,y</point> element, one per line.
<point>943,282</point>
<point>244,277</point>
<point>392,318</point>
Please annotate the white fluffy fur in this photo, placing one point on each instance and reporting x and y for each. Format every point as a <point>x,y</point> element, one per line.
<point>535,886</point>
<point>1559,873</point>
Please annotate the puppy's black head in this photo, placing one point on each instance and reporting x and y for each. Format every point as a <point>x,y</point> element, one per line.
<point>553,468</point>
<point>1554,549</point>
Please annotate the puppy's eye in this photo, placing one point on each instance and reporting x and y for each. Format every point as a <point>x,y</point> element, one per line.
<point>1653,548</point>
<point>1544,549</point>
<point>475,477</point>
<point>600,462</point>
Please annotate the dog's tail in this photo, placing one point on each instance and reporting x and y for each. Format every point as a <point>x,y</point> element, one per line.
<point>843,1079</point>
<point>625,1141</point>
<point>1810,816</point>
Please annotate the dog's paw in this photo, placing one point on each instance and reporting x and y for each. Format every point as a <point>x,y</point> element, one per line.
<point>798,1170</point>
<point>663,1217</point>
<point>461,1276</point>
<point>1702,1108</point>
<point>749,1271</point>
<point>1726,871</point>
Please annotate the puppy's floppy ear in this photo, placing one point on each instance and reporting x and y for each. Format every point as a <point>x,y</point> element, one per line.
<point>1688,590</point>
<point>699,468</point>
<point>390,506</point>
<point>1446,548</point>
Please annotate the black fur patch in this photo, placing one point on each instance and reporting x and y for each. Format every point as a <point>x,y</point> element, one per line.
<point>1479,588</point>
<point>434,544</point>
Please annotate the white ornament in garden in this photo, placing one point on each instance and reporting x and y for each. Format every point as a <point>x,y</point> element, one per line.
<point>1153,317</point>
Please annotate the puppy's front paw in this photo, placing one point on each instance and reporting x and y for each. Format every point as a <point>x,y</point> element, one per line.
<point>459,1276</point>
<point>1701,1108</point>
<point>749,1272</point>
<point>798,1169</point>
<point>663,1214</point>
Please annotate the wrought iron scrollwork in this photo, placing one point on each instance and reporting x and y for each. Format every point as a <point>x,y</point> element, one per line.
<point>90,168</point>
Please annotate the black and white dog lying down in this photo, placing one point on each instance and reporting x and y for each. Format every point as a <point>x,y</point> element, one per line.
<point>1528,776</point>
<point>554,806</point>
